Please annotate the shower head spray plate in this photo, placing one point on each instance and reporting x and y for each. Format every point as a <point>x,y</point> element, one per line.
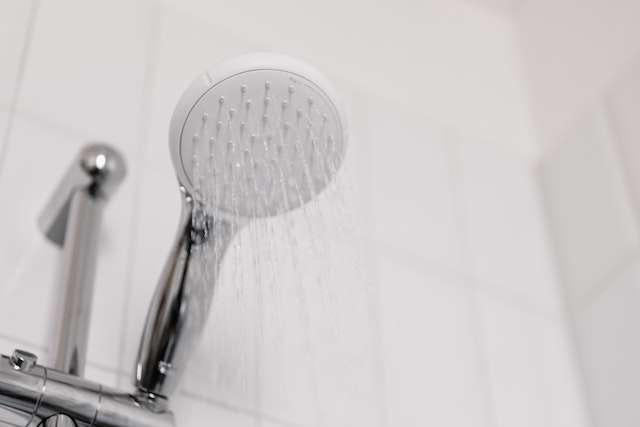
<point>257,136</point>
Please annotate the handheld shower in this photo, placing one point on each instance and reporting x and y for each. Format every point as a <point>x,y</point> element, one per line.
<point>254,137</point>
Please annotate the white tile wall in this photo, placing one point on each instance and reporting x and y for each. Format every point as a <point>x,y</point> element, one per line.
<point>13,29</point>
<point>4,122</point>
<point>191,411</point>
<point>531,368</point>
<point>410,174</point>
<point>591,184</point>
<point>608,336</point>
<point>430,359</point>
<point>589,209</point>
<point>623,105</point>
<point>506,234</point>
<point>571,53</point>
<point>86,67</point>
<point>452,60</point>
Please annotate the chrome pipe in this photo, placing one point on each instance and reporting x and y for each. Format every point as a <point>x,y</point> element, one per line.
<point>34,395</point>
<point>80,254</point>
<point>72,220</point>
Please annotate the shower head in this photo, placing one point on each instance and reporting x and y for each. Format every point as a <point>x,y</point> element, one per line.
<point>259,135</point>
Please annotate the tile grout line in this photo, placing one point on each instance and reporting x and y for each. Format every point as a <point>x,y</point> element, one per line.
<point>379,357</point>
<point>606,280</point>
<point>613,138</point>
<point>146,93</point>
<point>26,47</point>
<point>232,408</point>
<point>372,252</point>
<point>475,316</point>
<point>568,316</point>
<point>505,9</point>
<point>492,290</point>
<point>52,125</point>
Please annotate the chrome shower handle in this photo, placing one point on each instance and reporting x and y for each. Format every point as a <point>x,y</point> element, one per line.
<point>182,299</point>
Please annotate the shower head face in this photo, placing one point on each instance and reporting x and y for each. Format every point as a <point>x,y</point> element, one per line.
<point>259,135</point>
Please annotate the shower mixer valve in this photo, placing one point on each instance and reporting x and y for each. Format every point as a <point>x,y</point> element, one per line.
<point>254,137</point>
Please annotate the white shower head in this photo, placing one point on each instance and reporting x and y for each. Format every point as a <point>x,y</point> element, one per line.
<point>258,135</point>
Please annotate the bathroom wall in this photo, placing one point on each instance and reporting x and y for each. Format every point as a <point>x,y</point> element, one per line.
<point>591,184</point>
<point>495,277</point>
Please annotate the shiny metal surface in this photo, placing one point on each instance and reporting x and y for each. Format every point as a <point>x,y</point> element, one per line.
<point>98,169</point>
<point>23,360</point>
<point>72,220</point>
<point>60,420</point>
<point>79,264</point>
<point>42,394</point>
<point>20,393</point>
<point>180,306</point>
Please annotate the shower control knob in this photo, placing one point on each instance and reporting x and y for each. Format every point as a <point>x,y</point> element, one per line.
<point>23,360</point>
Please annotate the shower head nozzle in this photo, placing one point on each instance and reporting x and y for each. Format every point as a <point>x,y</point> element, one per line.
<point>258,135</point>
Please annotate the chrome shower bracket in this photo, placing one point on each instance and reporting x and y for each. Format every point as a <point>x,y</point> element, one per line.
<point>58,396</point>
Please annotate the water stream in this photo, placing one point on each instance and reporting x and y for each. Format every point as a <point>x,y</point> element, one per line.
<point>290,336</point>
